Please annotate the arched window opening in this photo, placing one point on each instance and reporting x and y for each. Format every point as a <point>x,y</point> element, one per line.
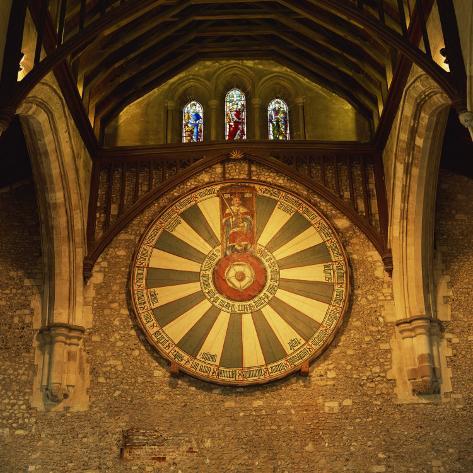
<point>278,120</point>
<point>235,115</point>
<point>192,122</point>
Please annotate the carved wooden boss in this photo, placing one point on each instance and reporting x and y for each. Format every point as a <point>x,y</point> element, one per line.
<point>240,283</point>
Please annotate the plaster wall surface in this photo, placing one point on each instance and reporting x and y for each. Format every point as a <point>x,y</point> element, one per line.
<point>343,417</point>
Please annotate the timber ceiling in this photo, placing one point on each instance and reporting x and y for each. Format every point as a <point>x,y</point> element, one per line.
<point>140,53</point>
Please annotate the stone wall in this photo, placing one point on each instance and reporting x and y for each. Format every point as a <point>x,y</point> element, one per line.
<point>454,230</point>
<point>21,282</point>
<point>315,113</point>
<point>343,417</point>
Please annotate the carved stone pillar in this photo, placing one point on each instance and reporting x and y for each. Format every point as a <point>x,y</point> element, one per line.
<point>466,119</point>
<point>61,345</point>
<point>256,105</point>
<point>213,105</point>
<point>301,118</point>
<point>416,334</point>
<point>171,109</point>
<point>61,379</point>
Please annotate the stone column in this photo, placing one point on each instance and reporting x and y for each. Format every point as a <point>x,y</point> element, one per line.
<point>423,349</point>
<point>466,119</point>
<point>61,379</point>
<point>213,106</point>
<point>256,108</point>
<point>407,335</point>
<point>301,117</point>
<point>171,108</point>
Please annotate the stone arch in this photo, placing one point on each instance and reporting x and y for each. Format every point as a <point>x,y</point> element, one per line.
<point>229,77</point>
<point>233,75</point>
<point>190,88</point>
<point>53,147</point>
<point>183,91</point>
<point>422,122</point>
<point>417,151</point>
<point>278,86</point>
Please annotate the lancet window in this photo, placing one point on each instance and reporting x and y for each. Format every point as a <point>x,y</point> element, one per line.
<point>278,120</point>
<point>192,122</point>
<point>235,115</point>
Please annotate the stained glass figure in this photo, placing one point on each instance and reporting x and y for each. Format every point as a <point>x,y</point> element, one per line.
<point>235,115</point>
<point>192,122</point>
<point>278,120</point>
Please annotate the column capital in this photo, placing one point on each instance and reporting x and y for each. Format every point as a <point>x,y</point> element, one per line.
<point>213,103</point>
<point>256,102</point>
<point>62,332</point>
<point>466,118</point>
<point>299,100</point>
<point>61,374</point>
<point>420,319</point>
<point>388,262</point>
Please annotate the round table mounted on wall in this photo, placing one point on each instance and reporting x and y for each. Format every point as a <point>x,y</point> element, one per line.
<point>240,283</point>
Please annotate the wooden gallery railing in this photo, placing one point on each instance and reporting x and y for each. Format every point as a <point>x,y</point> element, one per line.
<point>126,182</point>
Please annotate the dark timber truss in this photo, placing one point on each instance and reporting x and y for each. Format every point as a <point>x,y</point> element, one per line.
<point>108,53</point>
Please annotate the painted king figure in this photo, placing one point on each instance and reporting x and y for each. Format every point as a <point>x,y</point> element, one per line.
<point>238,226</point>
<point>236,124</point>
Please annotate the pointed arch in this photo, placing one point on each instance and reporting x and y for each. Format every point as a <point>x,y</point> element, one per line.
<point>421,125</point>
<point>61,170</point>
<point>412,165</point>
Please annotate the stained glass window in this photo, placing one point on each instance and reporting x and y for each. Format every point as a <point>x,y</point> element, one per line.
<point>192,122</point>
<point>278,120</point>
<point>235,115</point>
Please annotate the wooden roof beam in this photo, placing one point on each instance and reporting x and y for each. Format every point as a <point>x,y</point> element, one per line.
<point>332,73</point>
<point>108,68</point>
<point>353,51</point>
<point>130,91</point>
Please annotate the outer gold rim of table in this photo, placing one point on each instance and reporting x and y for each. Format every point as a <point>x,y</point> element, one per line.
<point>316,354</point>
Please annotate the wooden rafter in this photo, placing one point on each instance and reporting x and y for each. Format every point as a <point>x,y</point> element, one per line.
<point>347,44</point>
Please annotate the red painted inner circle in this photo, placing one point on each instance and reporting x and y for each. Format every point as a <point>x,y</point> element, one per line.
<point>222,286</point>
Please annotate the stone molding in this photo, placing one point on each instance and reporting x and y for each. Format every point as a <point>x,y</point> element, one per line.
<point>421,370</point>
<point>61,378</point>
<point>466,119</point>
<point>61,345</point>
<point>415,162</point>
